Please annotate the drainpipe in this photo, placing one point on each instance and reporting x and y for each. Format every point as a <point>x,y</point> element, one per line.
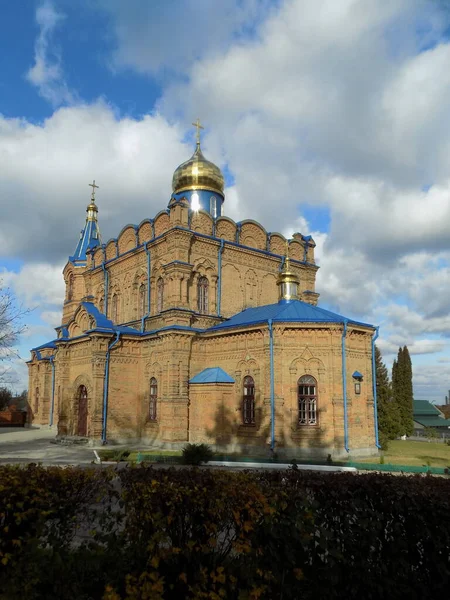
<point>344,386</point>
<point>272,390</point>
<point>148,289</point>
<point>52,405</point>
<point>105,388</point>
<point>374,387</point>
<point>106,286</point>
<point>219,282</point>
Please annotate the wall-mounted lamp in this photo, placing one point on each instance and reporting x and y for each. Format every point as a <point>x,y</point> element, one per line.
<point>358,377</point>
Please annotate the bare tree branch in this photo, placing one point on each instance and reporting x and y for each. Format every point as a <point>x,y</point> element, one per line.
<point>11,326</point>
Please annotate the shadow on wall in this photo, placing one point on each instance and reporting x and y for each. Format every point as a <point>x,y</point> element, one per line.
<point>229,434</point>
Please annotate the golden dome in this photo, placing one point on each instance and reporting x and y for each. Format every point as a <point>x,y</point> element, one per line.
<point>197,173</point>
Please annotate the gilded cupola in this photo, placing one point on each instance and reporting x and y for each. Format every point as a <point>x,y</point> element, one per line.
<point>200,181</point>
<point>288,281</point>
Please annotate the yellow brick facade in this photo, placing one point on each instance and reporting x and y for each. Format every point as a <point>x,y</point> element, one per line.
<point>148,281</point>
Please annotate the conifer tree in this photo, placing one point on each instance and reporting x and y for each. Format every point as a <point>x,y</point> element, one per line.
<point>388,413</point>
<point>402,390</point>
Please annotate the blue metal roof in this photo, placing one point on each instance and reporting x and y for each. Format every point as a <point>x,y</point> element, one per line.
<point>294,311</point>
<point>102,323</point>
<point>212,375</point>
<point>89,239</point>
<point>357,375</point>
<point>44,346</point>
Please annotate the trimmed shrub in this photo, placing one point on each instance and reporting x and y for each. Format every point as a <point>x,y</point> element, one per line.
<point>195,454</point>
<point>164,534</point>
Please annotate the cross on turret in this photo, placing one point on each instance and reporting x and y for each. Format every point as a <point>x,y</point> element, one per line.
<point>93,186</point>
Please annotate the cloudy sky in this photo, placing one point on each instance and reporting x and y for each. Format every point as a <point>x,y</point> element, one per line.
<point>329,117</point>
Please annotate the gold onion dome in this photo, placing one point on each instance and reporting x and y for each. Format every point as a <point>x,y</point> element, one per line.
<point>197,173</point>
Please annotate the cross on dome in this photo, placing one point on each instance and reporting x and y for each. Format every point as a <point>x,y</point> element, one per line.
<point>198,126</point>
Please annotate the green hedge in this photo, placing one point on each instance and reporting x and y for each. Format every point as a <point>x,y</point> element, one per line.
<point>149,534</point>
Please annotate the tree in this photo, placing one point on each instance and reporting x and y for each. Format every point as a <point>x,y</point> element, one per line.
<point>402,389</point>
<point>388,413</point>
<point>5,398</point>
<point>11,327</point>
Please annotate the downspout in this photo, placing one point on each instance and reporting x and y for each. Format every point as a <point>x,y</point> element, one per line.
<point>106,286</point>
<point>148,289</point>
<point>219,280</point>
<point>105,388</point>
<point>374,387</point>
<point>272,390</point>
<point>344,386</point>
<point>52,404</point>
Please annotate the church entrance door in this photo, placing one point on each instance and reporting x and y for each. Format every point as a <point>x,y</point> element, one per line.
<point>82,411</point>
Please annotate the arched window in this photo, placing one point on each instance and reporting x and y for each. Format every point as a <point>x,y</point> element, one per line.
<point>153,399</point>
<point>202,295</point>
<point>114,308</point>
<point>70,288</point>
<point>36,401</point>
<point>160,293</point>
<point>307,400</point>
<point>101,304</point>
<point>248,405</point>
<point>142,299</point>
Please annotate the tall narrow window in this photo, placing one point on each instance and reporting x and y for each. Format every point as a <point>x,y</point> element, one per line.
<point>101,304</point>
<point>307,400</point>
<point>114,308</point>
<point>213,206</point>
<point>153,399</point>
<point>70,288</point>
<point>202,295</point>
<point>160,293</point>
<point>36,401</point>
<point>248,405</point>
<point>142,299</point>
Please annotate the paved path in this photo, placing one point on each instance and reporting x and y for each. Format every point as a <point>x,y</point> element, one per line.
<point>24,445</point>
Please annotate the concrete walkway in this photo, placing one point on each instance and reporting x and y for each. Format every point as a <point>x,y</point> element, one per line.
<point>24,445</point>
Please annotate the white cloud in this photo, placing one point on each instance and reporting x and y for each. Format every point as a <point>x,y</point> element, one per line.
<point>152,37</point>
<point>36,284</point>
<point>45,170</point>
<point>46,73</point>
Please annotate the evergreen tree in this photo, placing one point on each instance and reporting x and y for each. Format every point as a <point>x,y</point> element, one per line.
<point>402,390</point>
<point>388,414</point>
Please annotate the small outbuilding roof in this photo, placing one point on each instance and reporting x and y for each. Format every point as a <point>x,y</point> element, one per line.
<point>212,375</point>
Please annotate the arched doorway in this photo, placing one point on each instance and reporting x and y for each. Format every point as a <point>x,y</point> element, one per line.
<point>82,411</point>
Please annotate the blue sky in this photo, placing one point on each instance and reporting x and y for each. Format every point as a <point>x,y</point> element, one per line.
<point>328,117</point>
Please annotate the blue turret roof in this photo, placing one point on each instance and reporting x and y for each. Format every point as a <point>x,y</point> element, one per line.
<point>293,311</point>
<point>89,236</point>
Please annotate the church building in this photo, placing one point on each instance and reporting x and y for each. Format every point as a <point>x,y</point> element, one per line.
<point>190,327</point>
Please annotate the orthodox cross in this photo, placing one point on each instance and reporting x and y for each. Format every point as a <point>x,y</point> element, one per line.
<point>93,186</point>
<point>198,126</point>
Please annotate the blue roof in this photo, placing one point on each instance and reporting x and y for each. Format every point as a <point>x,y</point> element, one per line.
<point>212,375</point>
<point>44,346</point>
<point>294,311</point>
<point>89,239</point>
<point>103,323</point>
<point>357,375</point>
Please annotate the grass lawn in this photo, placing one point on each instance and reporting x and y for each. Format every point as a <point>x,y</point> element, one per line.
<point>407,452</point>
<point>111,454</point>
